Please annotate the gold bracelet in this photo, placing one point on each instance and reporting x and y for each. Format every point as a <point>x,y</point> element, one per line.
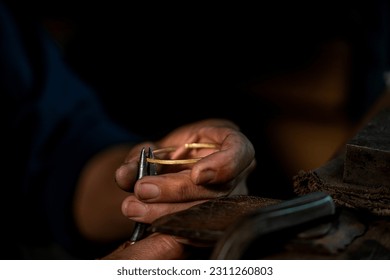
<point>180,161</point>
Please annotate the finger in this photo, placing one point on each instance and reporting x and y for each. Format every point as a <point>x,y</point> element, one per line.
<point>236,156</point>
<point>176,187</point>
<point>179,187</point>
<point>154,247</point>
<point>139,211</point>
<point>126,174</point>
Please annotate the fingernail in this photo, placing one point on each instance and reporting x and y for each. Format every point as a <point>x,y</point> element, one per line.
<point>148,191</point>
<point>136,210</point>
<point>206,176</point>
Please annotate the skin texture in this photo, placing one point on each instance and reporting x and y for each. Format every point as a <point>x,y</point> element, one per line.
<point>155,247</point>
<point>105,209</point>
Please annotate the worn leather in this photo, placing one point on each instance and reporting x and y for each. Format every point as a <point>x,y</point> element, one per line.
<point>207,222</point>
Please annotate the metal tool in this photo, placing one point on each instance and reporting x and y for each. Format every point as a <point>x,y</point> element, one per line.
<point>270,220</point>
<point>145,169</point>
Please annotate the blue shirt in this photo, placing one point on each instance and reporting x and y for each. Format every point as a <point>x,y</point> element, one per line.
<point>52,125</point>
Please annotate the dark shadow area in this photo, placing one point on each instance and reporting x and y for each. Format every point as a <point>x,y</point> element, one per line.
<point>156,68</point>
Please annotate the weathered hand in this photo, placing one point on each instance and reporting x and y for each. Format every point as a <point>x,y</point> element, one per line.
<point>219,172</point>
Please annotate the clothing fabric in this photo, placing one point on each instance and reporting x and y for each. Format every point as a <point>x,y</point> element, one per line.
<point>52,124</point>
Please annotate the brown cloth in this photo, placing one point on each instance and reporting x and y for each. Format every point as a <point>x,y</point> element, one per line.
<point>360,176</point>
<point>329,179</point>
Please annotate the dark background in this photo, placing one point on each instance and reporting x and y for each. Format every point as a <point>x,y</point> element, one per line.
<point>156,67</point>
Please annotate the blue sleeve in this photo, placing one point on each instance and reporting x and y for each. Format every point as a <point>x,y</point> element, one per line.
<point>54,124</point>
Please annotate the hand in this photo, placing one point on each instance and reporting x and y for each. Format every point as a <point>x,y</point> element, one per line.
<point>219,173</point>
<point>153,247</point>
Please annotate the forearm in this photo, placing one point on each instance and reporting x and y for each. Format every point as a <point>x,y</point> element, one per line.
<point>97,201</point>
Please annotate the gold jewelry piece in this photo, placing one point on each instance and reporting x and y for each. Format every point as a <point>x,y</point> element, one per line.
<point>180,161</point>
